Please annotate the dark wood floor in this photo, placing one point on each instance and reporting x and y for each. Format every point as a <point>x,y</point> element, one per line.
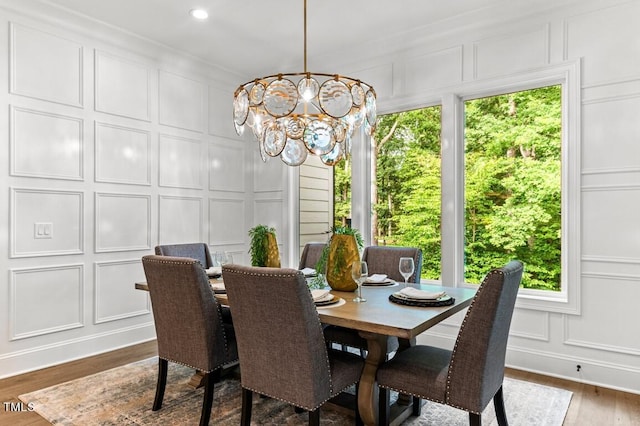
<point>590,405</point>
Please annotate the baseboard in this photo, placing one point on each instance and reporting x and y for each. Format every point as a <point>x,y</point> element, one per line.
<point>593,372</point>
<point>24,361</point>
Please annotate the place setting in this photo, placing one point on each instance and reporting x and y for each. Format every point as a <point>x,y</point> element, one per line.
<point>379,280</point>
<point>411,296</point>
<point>323,298</point>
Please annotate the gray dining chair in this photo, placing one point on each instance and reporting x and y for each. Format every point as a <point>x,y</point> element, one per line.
<point>188,322</point>
<point>380,260</point>
<point>198,251</point>
<point>471,374</point>
<point>282,350</point>
<point>311,253</point>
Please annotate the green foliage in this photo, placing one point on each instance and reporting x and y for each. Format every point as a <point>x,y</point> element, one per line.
<point>258,244</point>
<point>512,185</point>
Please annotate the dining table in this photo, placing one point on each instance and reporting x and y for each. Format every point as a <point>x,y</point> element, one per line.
<point>375,320</point>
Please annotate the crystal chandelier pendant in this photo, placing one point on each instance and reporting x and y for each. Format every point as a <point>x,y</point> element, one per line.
<point>296,114</point>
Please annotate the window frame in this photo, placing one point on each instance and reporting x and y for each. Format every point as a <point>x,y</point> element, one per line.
<point>567,75</point>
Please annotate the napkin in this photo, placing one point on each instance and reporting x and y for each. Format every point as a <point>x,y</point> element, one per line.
<point>377,278</point>
<point>321,295</point>
<point>308,272</point>
<point>416,294</point>
<point>214,270</point>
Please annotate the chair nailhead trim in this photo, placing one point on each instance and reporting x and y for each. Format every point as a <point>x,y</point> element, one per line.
<point>455,347</point>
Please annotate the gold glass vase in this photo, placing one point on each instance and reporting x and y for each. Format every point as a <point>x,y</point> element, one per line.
<point>343,251</point>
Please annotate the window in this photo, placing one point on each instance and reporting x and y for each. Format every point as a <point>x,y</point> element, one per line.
<point>484,165</point>
<point>513,185</point>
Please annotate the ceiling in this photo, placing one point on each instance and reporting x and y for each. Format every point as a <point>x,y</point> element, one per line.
<point>251,37</point>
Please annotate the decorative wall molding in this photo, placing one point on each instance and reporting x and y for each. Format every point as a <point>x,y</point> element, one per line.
<point>122,222</point>
<point>117,293</point>
<point>609,188</point>
<point>61,58</point>
<point>181,101</point>
<point>122,154</point>
<point>62,210</point>
<point>128,94</point>
<point>54,292</point>
<point>226,166</point>
<point>180,219</point>
<point>226,228</point>
<point>499,46</point>
<point>46,145</point>
<point>180,162</point>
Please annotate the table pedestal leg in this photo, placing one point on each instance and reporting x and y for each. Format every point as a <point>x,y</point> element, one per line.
<point>368,390</point>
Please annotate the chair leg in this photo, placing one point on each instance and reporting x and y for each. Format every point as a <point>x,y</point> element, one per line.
<point>207,402</point>
<point>417,406</point>
<point>475,419</point>
<point>247,396</point>
<point>383,406</point>
<point>498,403</point>
<point>163,366</point>
<point>314,417</point>
<point>359,421</point>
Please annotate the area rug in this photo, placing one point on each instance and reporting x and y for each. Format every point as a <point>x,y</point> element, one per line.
<point>124,395</point>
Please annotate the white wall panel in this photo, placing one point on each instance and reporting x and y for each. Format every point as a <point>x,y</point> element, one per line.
<point>123,222</point>
<point>227,166</point>
<point>122,154</point>
<point>181,102</point>
<point>180,220</point>
<point>527,48</point>
<point>269,212</point>
<point>226,222</point>
<point>46,145</point>
<point>601,294</point>
<point>33,210</point>
<point>45,66</point>
<point>220,119</point>
<point>268,176</point>
<point>180,162</point>
<point>530,324</point>
<point>610,135</point>
<point>115,296</point>
<point>122,87</point>
<point>434,69</point>
<point>611,222</point>
<point>605,58</point>
<point>45,300</point>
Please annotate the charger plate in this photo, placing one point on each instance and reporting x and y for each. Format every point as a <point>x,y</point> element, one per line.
<point>422,303</point>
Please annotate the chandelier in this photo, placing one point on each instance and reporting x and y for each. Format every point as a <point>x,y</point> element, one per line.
<point>294,114</point>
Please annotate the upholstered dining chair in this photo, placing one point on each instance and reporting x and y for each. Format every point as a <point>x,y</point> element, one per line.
<point>380,260</point>
<point>311,253</point>
<point>281,347</point>
<point>471,374</point>
<point>188,322</point>
<point>198,251</point>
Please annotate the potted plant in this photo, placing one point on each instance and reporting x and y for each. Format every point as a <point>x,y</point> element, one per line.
<point>335,262</point>
<point>264,246</point>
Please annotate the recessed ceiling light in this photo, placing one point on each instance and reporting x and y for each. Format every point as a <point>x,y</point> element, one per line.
<point>200,14</point>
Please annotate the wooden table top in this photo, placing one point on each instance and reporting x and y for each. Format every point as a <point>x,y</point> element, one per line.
<point>381,316</point>
<point>378,314</point>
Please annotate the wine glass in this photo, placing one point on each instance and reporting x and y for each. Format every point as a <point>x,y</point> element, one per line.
<point>406,268</point>
<point>359,273</point>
